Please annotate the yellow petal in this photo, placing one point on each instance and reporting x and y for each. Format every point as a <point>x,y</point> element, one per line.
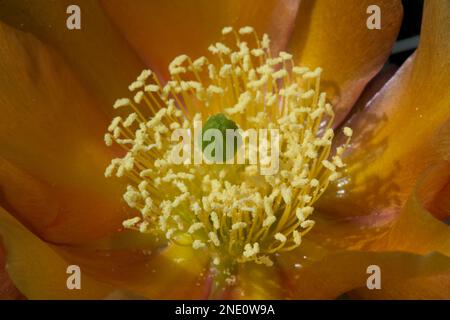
<point>52,157</point>
<point>255,281</point>
<point>334,36</point>
<point>404,128</point>
<point>97,53</point>
<point>126,239</point>
<point>37,270</point>
<point>339,272</point>
<point>161,30</point>
<point>175,273</point>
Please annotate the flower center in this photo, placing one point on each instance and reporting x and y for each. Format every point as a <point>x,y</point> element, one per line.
<point>225,127</point>
<point>230,210</point>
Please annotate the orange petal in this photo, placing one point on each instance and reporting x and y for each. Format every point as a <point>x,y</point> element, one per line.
<point>373,87</point>
<point>423,288</point>
<point>434,190</point>
<point>413,229</point>
<point>160,30</point>
<point>97,52</point>
<point>37,270</point>
<point>334,36</point>
<point>255,281</point>
<point>174,272</point>
<point>403,129</point>
<point>338,272</point>
<point>52,157</point>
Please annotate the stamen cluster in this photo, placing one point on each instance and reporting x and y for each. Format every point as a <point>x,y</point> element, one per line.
<point>230,210</point>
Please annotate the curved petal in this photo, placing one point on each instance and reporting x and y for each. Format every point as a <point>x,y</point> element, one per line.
<point>334,35</point>
<point>97,52</point>
<point>403,129</point>
<point>373,87</point>
<point>174,272</point>
<point>428,288</point>
<point>161,30</point>
<point>434,190</point>
<point>52,155</point>
<point>37,269</point>
<point>416,230</point>
<point>413,229</point>
<point>339,272</point>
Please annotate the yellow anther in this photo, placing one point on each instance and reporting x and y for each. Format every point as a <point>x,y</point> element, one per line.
<point>348,131</point>
<point>131,222</point>
<point>246,30</point>
<point>227,30</point>
<point>121,103</point>
<point>280,237</point>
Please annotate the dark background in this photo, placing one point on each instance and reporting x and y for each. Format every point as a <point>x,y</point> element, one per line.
<point>412,19</point>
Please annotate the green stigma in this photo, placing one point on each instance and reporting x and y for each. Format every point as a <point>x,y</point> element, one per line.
<point>225,136</point>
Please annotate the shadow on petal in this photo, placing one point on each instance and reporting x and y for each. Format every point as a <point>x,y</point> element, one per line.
<point>401,131</point>
<point>412,229</point>
<point>423,288</point>
<point>339,272</point>
<point>52,145</point>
